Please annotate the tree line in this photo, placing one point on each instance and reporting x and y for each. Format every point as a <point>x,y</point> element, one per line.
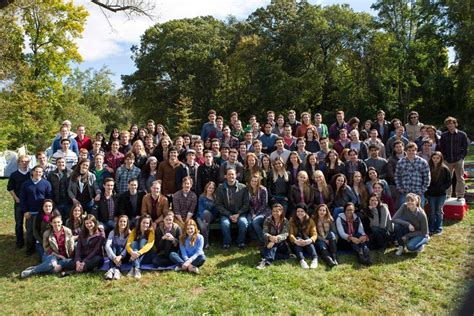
<point>287,55</point>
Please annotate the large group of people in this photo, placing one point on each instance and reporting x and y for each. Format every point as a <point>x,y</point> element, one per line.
<point>296,189</point>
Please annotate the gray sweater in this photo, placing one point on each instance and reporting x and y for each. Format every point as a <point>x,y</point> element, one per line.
<point>416,218</point>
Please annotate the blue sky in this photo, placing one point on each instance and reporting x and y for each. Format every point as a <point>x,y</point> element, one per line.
<point>107,41</point>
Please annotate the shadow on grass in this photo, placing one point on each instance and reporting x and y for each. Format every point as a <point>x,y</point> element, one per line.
<point>13,260</point>
<point>245,258</point>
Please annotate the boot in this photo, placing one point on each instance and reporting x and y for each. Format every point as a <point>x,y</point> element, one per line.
<point>365,252</point>
<point>327,258</point>
<point>333,251</point>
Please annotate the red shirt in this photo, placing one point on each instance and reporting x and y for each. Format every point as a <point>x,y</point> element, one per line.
<point>61,241</point>
<point>85,143</point>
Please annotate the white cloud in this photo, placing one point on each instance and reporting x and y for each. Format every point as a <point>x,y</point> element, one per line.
<point>102,40</point>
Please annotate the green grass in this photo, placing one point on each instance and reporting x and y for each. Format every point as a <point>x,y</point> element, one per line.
<point>430,283</point>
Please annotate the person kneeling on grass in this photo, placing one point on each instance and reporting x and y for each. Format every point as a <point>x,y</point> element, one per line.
<point>275,231</point>
<point>89,246</point>
<point>191,245</point>
<point>139,243</point>
<point>349,226</point>
<point>303,235</point>
<point>411,226</point>
<point>166,240</point>
<point>115,247</point>
<point>58,246</point>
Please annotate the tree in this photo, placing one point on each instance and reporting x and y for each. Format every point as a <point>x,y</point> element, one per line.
<point>185,121</point>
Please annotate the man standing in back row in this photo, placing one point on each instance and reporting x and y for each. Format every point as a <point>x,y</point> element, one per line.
<point>453,145</point>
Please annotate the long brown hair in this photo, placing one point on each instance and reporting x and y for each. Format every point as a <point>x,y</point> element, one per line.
<point>302,225</point>
<point>85,231</point>
<point>117,229</point>
<point>184,234</point>
<point>436,170</point>
<point>327,218</point>
<point>138,229</point>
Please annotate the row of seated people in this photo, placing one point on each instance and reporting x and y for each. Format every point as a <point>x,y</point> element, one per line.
<point>71,249</point>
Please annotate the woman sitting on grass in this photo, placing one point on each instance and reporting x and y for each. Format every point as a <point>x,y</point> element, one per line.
<point>411,226</point>
<point>166,240</point>
<point>275,231</point>
<point>139,243</point>
<point>76,220</point>
<point>191,245</point>
<point>89,246</point>
<point>350,229</point>
<point>326,243</point>
<point>115,247</point>
<point>377,223</point>
<point>58,244</point>
<point>41,224</point>
<point>303,235</point>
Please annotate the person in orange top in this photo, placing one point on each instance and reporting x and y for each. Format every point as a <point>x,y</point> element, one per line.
<point>139,243</point>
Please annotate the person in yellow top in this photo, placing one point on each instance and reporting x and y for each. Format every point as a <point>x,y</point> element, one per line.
<point>140,241</point>
<point>303,235</point>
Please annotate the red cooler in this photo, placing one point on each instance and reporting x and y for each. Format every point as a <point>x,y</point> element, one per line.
<point>454,208</point>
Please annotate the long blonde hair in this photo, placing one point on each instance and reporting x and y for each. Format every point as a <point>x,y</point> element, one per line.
<point>283,173</point>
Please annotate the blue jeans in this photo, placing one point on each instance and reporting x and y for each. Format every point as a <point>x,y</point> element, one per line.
<point>403,198</point>
<point>414,243</point>
<point>306,251</point>
<point>117,251</point>
<point>87,206</point>
<point>279,251</point>
<point>64,210</point>
<point>137,245</point>
<point>176,259</point>
<point>242,225</point>
<point>19,217</point>
<point>39,249</point>
<point>435,217</point>
<point>321,245</point>
<point>46,265</point>
<point>257,228</point>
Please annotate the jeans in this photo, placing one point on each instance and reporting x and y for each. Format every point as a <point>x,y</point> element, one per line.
<point>203,224</point>
<point>30,238</point>
<point>331,246</point>
<point>414,243</point>
<point>176,258</point>
<point>64,210</point>
<point>279,251</point>
<point>39,249</point>
<point>46,265</point>
<point>242,225</point>
<point>87,206</point>
<point>137,245</point>
<point>307,250</point>
<point>257,228</point>
<point>108,226</point>
<point>117,251</point>
<point>19,217</point>
<point>458,168</point>
<point>403,198</point>
<point>435,217</point>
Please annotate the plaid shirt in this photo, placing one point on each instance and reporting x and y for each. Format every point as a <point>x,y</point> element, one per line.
<point>182,205</point>
<point>412,176</point>
<point>123,175</point>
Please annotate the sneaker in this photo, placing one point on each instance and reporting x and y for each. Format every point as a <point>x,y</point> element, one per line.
<point>193,269</point>
<point>27,272</point>
<point>303,264</point>
<point>131,273</point>
<point>138,273</point>
<point>117,274</point>
<point>438,232</point>
<point>109,275</point>
<point>421,249</point>
<point>226,246</point>
<point>262,265</point>
<point>400,250</point>
<point>177,268</point>
<point>314,263</point>
<point>241,246</point>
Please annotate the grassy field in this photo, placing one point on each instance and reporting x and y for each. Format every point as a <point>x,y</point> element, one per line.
<point>433,282</point>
